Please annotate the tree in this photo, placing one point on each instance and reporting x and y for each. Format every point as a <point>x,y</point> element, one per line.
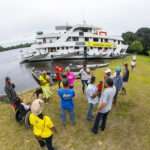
<point>143,35</point>
<point>2,48</point>
<point>128,37</point>
<point>136,47</point>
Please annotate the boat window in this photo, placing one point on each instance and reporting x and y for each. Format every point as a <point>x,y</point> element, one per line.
<point>99,48</point>
<point>114,40</point>
<point>101,40</point>
<point>118,42</point>
<point>106,40</point>
<point>81,34</point>
<point>66,47</point>
<point>58,38</point>
<point>57,48</point>
<point>105,49</point>
<point>68,39</point>
<point>75,38</point>
<point>95,39</point>
<point>62,48</point>
<point>44,40</point>
<point>86,39</point>
<point>76,47</point>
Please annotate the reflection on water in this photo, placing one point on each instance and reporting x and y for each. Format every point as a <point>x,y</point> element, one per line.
<point>21,73</point>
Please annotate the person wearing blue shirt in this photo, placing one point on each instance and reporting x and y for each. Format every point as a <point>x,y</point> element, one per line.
<point>118,83</point>
<point>66,101</point>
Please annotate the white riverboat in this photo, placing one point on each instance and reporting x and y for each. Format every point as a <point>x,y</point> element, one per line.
<point>75,42</point>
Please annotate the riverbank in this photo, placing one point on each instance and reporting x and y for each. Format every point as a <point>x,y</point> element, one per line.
<point>128,125</point>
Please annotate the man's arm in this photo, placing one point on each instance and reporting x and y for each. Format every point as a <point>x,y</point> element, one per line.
<point>103,101</point>
<point>101,106</point>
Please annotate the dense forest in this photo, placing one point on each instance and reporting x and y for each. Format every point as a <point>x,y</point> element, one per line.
<point>139,42</point>
<point>15,47</point>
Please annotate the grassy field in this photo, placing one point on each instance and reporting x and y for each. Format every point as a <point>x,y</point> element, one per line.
<point>128,126</point>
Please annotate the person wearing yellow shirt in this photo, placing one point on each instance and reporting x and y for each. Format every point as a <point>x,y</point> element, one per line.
<point>42,125</point>
<point>44,80</point>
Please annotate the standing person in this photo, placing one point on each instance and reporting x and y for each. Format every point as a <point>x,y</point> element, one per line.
<point>133,62</point>
<point>125,78</point>
<point>58,71</point>
<point>105,106</point>
<point>42,125</point>
<point>70,76</point>
<point>100,88</point>
<point>45,85</point>
<point>118,83</point>
<point>85,74</point>
<point>10,92</point>
<point>67,105</point>
<point>92,97</point>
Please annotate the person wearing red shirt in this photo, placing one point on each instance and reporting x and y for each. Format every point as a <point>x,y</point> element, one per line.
<point>58,71</point>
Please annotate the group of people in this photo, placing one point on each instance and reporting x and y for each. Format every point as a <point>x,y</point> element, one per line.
<point>103,95</point>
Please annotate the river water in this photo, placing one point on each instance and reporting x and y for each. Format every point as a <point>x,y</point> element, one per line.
<point>21,73</point>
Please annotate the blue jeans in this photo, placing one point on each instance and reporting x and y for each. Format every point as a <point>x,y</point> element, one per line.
<point>71,115</point>
<point>90,111</point>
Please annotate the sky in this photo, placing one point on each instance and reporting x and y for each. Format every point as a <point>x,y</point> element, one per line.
<point>21,19</point>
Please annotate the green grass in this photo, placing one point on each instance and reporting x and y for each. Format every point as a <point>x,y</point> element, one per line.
<point>128,126</point>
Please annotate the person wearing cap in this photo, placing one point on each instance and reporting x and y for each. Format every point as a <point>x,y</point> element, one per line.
<point>118,82</point>
<point>66,95</point>
<point>108,74</point>
<point>70,76</point>
<point>85,76</point>
<point>42,125</point>
<point>45,85</point>
<point>104,107</point>
<point>92,97</point>
<point>10,92</point>
<point>125,78</point>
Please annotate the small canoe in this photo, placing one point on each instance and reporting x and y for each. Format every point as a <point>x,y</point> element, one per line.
<point>93,66</point>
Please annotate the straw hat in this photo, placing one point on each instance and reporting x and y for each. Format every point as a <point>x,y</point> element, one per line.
<point>108,70</point>
<point>37,106</point>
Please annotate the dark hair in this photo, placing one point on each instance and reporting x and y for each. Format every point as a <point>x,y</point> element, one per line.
<point>101,81</point>
<point>93,78</point>
<point>126,65</point>
<point>65,82</point>
<point>109,82</point>
<point>84,65</point>
<point>7,78</point>
<point>38,91</point>
<point>63,75</point>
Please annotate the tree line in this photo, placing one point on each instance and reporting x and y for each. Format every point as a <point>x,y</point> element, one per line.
<point>15,47</point>
<point>139,42</point>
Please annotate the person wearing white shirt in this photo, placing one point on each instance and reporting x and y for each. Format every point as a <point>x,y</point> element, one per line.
<point>105,106</point>
<point>92,97</point>
<point>85,76</point>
